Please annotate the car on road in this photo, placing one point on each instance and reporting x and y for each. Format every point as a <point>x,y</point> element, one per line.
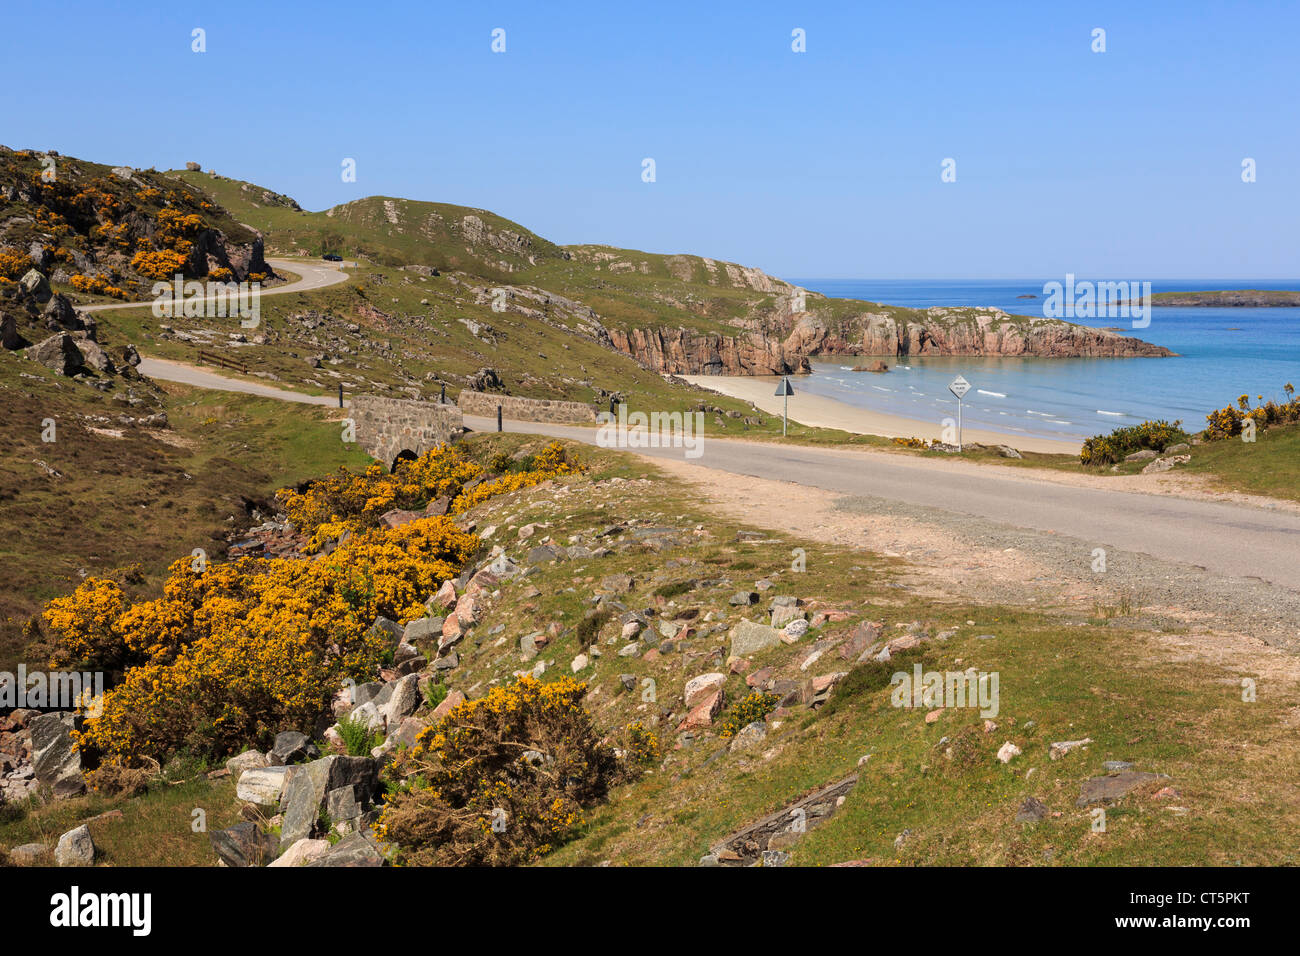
<point>330,257</point>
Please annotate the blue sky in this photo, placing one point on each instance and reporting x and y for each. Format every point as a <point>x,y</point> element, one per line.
<point>827,163</point>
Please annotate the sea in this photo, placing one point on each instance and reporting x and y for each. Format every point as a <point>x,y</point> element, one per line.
<point>1223,353</point>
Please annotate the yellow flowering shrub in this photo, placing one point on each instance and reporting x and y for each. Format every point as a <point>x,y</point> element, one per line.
<point>87,621</point>
<point>14,263</point>
<point>500,780</point>
<point>346,501</point>
<point>236,652</point>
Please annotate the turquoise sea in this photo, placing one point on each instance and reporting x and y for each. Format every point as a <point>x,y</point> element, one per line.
<point>1222,354</point>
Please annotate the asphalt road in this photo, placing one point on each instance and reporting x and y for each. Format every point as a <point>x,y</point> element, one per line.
<point>1232,540</point>
<point>314,276</point>
<point>1236,541</point>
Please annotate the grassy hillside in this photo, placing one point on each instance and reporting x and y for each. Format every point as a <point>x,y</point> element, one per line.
<point>112,491</point>
<point>930,790</point>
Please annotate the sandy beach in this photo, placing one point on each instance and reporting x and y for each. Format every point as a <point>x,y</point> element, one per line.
<point>820,412</point>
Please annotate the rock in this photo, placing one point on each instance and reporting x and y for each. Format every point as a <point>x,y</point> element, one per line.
<point>55,758</point>
<point>1008,751</point>
<point>405,700</point>
<point>1006,451</point>
<point>1164,464</point>
<point>291,746</point>
<point>264,786</point>
<point>864,636</point>
<point>424,629</point>
<point>743,598</point>
<point>302,853</point>
<point>630,630</point>
<point>904,643</point>
<point>1144,455</point>
<point>579,663</point>
<point>448,663</point>
<point>749,736</point>
<point>503,568</point>
<point>343,805</point>
<point>1178,448</point>
<point>697,688</point>
<point>795,629</point>
<point>36,285</point>
<point>92,356</point>
<point>307,785</point>
<point>58,352</point>
<point>775,858</point>
<point>75,848</point>
<point>707,706</point>
<point>1115,766</point>
<point>248,760</point>
<point>354,850</point>
<point>130,355</point>
<point>369,716</point>
<point>244,844</point>
<point>30,854</point>
<point>453,699</point>
<point>748,638</point>
<point>1031,811</point>
<point>1059,749</point>
<point>446,596</point>
<point>630,650</point>
<point>1111,788</point>
<point>782,616</point>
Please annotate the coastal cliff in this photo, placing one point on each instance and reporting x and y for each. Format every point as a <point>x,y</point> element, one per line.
<point>778,345</point>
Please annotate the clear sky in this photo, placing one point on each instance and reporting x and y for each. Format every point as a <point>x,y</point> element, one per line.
<point>826,163</point>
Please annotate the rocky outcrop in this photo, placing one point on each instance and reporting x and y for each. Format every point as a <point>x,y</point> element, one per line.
<point>685,352</point>
<point>782,344</point>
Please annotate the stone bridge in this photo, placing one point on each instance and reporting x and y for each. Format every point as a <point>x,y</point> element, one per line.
<point>393,428</point>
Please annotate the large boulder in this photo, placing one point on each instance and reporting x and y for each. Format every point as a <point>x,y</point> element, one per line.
<point>263,787</point>
<point>58,352</point>
<point>354,850</point>
<point>749,638</point>
<point>307,785</point>
<point>60,316</point>
<point>55,757</point>
<point>36,285</point>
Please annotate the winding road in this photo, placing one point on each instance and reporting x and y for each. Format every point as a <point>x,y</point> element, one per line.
<point>1235,540</point>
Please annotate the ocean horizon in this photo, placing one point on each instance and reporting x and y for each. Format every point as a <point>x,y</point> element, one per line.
<point>1222,353</point>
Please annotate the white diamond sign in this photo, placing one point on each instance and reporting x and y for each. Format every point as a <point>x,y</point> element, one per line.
<point>959,387</point>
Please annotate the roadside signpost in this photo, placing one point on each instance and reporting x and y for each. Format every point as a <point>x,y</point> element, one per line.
<point>785,391</point>
<point>959,387</point>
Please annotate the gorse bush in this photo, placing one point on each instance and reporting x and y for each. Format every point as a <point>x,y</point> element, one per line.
<point>1109,449</point>
<point>350,502</point>
<point>236,652</point>
<point>746,711</point>
<point>500,780</point>
<point>1229,422</point>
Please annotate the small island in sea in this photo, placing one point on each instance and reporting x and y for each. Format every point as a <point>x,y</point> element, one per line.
<point>1229,298</point>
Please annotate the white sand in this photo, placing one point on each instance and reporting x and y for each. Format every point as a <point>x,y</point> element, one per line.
<point>819,412</point>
